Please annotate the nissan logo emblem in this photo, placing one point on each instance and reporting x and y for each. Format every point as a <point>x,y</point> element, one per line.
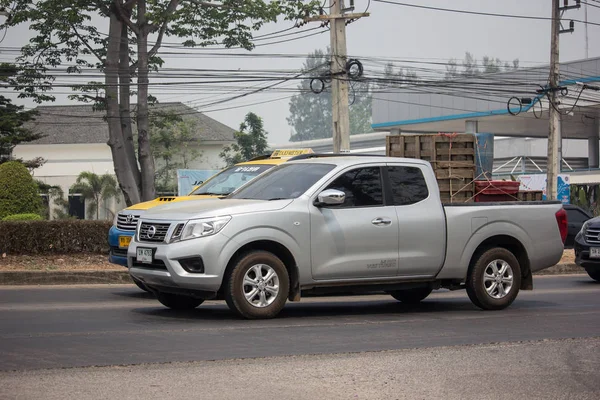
<point>151,231</point>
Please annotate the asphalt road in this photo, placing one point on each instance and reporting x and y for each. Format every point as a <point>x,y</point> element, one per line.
<point>54,327</point>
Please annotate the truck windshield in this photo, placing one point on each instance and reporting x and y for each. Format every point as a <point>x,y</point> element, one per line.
<point>288,181</point>
<point>230,179</point>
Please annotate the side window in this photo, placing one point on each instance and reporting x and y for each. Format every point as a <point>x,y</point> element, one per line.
<point>362,187</point>
<point>408,185</point>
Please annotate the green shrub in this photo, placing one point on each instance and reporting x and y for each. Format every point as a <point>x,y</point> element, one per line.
<point>54,237</point>
<point>23,217</point>
<point>19,193</point>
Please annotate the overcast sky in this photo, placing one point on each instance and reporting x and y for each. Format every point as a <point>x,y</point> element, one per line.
<point>394,32</point>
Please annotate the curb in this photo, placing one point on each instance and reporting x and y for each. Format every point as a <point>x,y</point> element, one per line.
<point>562,269</point>
<point>122,277</point>
<point>63,277</point>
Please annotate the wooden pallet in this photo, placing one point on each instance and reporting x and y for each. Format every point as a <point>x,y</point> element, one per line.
<point>452,159</point>
<point>433,147</point>
<point>530,195</point>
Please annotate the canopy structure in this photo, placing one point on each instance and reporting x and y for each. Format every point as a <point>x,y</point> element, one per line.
<point>512,104</point>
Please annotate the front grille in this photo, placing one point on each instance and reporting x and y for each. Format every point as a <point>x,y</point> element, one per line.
<point>592,235</point>
<point>156,264</point>
<point>151,232</point>
<point>127,222</point>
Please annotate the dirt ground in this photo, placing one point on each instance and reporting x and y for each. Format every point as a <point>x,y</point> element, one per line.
<point>79,262</point>
<point>63,262</point>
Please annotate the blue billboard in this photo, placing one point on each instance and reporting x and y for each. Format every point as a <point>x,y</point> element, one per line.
<point>187,179</point>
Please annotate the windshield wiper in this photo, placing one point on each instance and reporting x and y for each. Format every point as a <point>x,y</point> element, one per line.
<point>210,194</point>
<point>277,198</point>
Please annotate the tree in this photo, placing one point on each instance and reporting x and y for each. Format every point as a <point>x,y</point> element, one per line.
<point>66,37</point>
<point>18,192</point>
<point>56,196</point>
<point>452,69</point>
<point>310,113</point>
<point>94,188</point>
<point>174,145</point>
<point>12,119</point>
<point>251,141</point>
<point>393,77</point>
<point>470,66</point>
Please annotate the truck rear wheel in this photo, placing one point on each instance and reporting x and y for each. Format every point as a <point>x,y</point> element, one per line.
<point>258,286</point>
<point>594,274</point>
<point>411,296</point>
<point>494,279</point>
<point>178,302</point>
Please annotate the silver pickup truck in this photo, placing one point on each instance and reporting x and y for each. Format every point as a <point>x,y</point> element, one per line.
<point>327,224</point>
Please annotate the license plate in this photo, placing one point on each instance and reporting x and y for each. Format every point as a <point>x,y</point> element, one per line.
<point>595,252</point>
<point>144,255</point>
<point>124,241</point>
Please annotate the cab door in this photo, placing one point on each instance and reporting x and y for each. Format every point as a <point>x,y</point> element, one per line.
<point>421,220</point>
<point>359,238</point>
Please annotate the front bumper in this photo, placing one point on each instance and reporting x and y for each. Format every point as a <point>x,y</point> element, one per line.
<point>582,254</point>
<point>117,255</point>
<point>166,273</point>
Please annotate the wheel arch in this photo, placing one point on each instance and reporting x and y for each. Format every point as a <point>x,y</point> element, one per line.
<point>279,250</point>
<point>513,245</point>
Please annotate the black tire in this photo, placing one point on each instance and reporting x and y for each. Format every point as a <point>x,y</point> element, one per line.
<point>411,296</point>
<point>235,288</point>
<point>178,302</point>
<point>140,284</point>
<point>476,287</point>
<point>594,274</point>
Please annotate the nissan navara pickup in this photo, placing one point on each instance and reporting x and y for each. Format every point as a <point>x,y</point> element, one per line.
<point>321,224</point>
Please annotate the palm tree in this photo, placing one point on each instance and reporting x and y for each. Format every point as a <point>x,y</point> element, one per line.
<point>95,188</point>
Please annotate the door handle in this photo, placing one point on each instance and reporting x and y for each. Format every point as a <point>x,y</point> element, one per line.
<point>381,221</point>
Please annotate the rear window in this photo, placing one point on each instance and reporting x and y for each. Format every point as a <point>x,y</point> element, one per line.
<point>408,185</point>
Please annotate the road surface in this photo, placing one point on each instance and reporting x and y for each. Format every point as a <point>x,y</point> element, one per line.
<point>550,333</point>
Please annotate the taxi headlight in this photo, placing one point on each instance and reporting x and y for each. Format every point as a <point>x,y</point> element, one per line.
<point>204,227</point>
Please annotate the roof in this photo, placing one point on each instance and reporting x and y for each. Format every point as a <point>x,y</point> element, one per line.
<point>79,124</point>
<point>420,108</point>
<point>344,160</point>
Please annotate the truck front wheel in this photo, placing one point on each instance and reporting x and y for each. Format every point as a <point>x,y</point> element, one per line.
<point>411,296</point>
<point>494,279</point>
<point>257,286</point>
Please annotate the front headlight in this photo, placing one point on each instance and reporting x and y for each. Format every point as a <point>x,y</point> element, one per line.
<point>196,228</point>
<point>584,227</point>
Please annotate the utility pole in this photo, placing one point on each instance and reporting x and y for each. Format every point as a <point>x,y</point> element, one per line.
<point>587,39</point>
<point>555,136</point>
<point>339,75</point>
<point>553,139</point>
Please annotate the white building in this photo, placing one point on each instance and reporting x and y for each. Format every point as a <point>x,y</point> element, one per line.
<point>76,140</point>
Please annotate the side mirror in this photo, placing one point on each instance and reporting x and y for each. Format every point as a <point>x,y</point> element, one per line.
<point>330,197</point>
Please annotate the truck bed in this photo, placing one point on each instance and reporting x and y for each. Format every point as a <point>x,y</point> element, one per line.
<point>532,223</point>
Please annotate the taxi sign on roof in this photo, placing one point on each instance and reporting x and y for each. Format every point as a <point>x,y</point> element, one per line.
<point>290,152</point>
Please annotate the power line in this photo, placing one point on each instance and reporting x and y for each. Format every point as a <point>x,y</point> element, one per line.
<point>530,17</point>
